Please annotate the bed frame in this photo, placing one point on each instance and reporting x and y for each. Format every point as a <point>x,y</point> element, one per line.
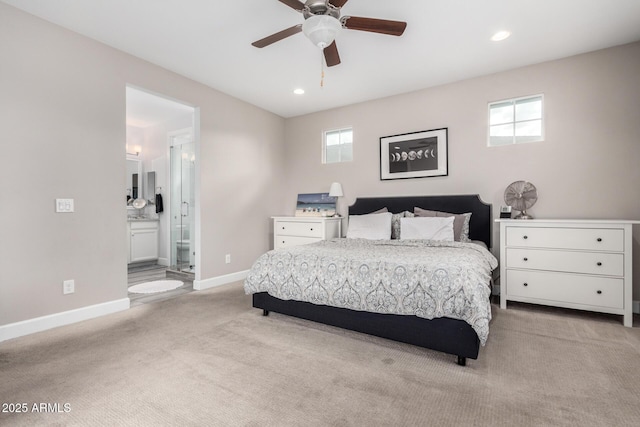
<point>444,334</point>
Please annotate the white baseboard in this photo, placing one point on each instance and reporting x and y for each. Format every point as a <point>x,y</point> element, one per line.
<point>212,282</point>
<point>38,324</point>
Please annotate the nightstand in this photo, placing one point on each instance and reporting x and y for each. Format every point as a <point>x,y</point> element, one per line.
<point>294,230</point>
<point>579,264</point>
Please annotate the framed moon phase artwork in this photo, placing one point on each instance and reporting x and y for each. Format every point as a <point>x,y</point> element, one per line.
<point>414,155</point>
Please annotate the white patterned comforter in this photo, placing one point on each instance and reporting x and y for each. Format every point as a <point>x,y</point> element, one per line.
<point>424,278</point>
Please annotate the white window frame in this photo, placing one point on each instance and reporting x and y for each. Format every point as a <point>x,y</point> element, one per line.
<point>514,121</point>
<point>324,143</point>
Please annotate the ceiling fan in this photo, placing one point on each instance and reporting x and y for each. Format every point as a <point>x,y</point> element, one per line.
<point>322,22</point>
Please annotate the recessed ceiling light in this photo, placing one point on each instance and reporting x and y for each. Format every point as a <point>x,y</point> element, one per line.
<point>298,91</point>
<point>500,35</point>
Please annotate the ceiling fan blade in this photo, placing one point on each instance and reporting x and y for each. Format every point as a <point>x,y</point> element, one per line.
<point>338,3</point>
<point>294,4</point>
<point>382,26</point>
<point>278,36</point>
<point>331,55</point>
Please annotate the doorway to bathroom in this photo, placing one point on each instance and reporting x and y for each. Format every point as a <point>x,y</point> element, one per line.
<point>163,144</point>
<point>182,156</point>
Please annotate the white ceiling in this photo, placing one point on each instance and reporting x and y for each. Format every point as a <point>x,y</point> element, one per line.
<point>446,40</point>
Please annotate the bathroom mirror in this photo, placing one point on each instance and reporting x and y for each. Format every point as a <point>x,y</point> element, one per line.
<point>150,186</point>
<point>134,179</point>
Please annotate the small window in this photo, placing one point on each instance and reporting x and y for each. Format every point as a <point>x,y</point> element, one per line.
<point>338,146</point>
<point>514,121</point>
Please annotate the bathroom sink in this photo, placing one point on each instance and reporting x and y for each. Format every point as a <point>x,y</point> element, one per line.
<point>139,203</point>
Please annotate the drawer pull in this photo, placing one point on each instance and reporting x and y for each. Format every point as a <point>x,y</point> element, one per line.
<point>599,264</point>
<point>311,229</point>
<point>525,259</point>
<point>599,239</point>
<point>525,284</point>
<point>598,292</point>
<point>525,237</point>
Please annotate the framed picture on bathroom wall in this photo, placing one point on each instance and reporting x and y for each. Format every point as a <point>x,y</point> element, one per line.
<point>315,204</point>
<point>414,155</point>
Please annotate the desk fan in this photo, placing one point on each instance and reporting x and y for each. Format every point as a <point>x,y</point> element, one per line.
<point>521,195</point>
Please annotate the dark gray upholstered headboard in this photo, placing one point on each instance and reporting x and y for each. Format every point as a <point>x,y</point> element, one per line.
<point>481,218</point>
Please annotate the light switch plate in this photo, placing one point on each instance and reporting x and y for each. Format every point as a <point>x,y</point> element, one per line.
<point>64,205</point>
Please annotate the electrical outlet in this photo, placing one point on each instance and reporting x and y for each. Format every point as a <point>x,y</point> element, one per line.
<point>227,259</point>
<point>68,287</point>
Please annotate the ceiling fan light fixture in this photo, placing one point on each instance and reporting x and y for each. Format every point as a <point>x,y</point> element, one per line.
<point>321,29</point>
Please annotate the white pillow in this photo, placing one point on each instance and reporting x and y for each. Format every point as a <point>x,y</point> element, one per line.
<point>370,226</point>
<point>429,228</point>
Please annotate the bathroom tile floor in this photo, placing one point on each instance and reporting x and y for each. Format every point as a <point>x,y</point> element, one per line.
<point>150,272</point>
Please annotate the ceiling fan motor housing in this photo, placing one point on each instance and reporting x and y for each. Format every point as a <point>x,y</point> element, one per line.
<point>319,7</point>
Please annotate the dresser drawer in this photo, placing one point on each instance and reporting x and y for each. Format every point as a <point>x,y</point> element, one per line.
<point>608,264</point>
<point>576,289</point>
<point>599,239</point>
<point>298,228</point>
<point>286,241</point>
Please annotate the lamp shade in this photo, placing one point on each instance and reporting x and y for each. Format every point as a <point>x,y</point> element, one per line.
<point>321,29</point>
<point>336,190</point>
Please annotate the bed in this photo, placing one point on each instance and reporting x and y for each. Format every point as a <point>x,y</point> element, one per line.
<point>321,281</point>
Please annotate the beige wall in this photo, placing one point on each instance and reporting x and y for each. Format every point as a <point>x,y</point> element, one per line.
<point>62,118</point>
<point>587,167</point>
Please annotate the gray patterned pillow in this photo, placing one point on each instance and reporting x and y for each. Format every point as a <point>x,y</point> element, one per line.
<point>395,223</point>
<point>464,232</point>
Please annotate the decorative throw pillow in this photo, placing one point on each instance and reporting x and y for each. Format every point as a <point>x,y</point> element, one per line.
<point>424,212</point>
<point>395,222</point>
<point>460,222</point>
<point>464,232</point>
<point>383,210</point>
<point>395,225</point>
<point>375,226</point>
<point>429,228</point>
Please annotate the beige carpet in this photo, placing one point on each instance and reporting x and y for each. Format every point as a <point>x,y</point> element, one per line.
<point>208,358</point>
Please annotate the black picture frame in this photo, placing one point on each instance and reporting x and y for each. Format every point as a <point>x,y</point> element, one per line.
<point>421,154</point>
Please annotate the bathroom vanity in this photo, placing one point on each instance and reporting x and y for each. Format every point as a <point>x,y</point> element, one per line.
<point>143,239</point>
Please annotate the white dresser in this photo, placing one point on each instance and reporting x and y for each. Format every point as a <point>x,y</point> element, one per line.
<point>293,230</point>
<point>579,264</point>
